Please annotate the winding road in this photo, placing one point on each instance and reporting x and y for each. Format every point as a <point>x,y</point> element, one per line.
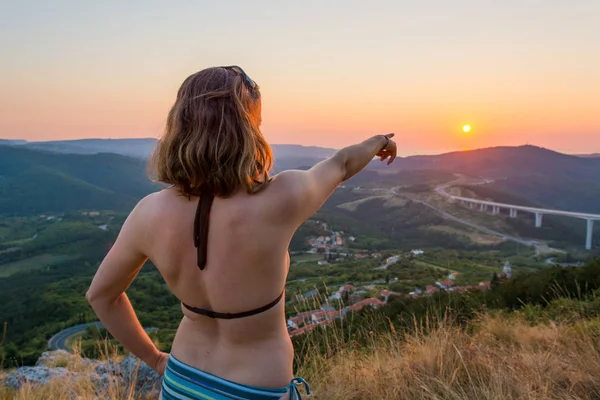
<point>60,340</point>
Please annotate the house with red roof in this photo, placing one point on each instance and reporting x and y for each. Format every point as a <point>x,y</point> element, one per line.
<point>345,288</point>
<point>447,284</point>
<point>302,330</point>
<point>430,289</point>
<point>322,316</point>
<point>302,317</point>
<point>373,302</point>
<point>386,294</point>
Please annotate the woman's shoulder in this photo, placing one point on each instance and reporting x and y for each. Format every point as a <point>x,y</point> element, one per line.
<point>152,206</point>
<point>287,180</point>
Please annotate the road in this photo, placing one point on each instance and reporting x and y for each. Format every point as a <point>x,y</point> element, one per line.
<point>60,340</point>
<point>386,265</point>
<point>540,247</point>
<point>552,261</point>
<point>441,189</point>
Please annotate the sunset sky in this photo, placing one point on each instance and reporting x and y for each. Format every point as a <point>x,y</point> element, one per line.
<point>331,72</point>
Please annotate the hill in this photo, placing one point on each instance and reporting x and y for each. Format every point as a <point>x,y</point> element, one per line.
<point>595,155</point>
<point>542,176</point>
<point>57,177</point>
<point>140,148</point>
<point>8,142</point>
<point>143,148</point>
<point>501,162</point>
<point>33,182</point>
<point>494,162</point>
<point>539,175</point>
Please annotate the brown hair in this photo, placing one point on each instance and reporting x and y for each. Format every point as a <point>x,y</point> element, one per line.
<point>212,141</point>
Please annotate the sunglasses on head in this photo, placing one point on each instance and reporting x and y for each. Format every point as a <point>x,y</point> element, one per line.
<point>241,72</point>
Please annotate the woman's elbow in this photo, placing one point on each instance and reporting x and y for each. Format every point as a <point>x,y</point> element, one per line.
<point>91,296</point>
<point>96,297</point>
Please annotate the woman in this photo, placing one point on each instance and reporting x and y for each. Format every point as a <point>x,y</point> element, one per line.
<point>232,342</point>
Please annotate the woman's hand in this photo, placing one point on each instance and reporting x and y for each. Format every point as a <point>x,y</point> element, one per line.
<point>389,151</point>
<point>161,363</point>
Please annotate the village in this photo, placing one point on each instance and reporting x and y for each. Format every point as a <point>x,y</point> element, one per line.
<point>350,298</point>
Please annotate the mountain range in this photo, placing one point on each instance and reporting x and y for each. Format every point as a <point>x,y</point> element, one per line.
<point>33,182</point>
<point>111,173</point>
<point>143,148</point>
<point>595,155</point>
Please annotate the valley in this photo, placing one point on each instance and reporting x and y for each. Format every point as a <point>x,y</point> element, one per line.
<point>70,207</point>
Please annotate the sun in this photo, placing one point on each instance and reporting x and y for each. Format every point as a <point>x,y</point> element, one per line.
<point>466,128</point>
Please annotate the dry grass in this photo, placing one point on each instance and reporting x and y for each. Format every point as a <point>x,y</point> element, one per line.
<point>82,389</point>
<point>83,385</point>
<point>503,357</point>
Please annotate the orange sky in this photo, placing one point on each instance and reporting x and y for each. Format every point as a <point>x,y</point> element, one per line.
<point>517,71</point>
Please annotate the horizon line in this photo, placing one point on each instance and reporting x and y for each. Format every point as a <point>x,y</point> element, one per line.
<point>426,153</point>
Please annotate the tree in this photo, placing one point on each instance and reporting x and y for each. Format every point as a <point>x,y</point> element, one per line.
<point>387,279</point>
<point>495,281</point>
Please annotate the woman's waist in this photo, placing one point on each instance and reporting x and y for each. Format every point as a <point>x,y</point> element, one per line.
<point>252,360</point>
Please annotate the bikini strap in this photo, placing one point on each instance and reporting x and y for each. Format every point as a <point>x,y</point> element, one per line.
<point>293,388</point>
<point>214,314</point>
<point>201,225</point>
<point>201,222</point>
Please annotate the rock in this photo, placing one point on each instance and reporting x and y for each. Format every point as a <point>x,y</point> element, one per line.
<point>104,376</point>
<point>107,367</point>
<point>147,380</point>
<point>57,358</point>
<point>62,358</point>
<point>39,375</point>
<point>103,382</point>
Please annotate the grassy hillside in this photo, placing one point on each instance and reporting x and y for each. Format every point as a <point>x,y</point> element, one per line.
<point>34,182</point>
<point>383,221</point>
<point>536,336</point>
<point>503,357</point>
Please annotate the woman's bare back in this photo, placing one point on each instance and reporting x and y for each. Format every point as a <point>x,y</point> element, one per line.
<point>247,265</point>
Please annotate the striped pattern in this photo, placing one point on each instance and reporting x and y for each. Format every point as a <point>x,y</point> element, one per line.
<point>182,381</point>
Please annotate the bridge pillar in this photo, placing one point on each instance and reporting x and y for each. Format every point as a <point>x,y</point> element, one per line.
<point>538,220</point>
<point>513,213</point>
<point>496,210</point>
<point>590,230</point>
<point>482,207</point>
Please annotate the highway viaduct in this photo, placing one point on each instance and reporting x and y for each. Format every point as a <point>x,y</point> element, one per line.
<point>513,210</point>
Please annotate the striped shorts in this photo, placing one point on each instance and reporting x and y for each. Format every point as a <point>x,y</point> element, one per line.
<point>182,381</point>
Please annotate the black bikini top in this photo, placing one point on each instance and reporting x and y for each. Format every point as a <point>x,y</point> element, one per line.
<point>201,242</point>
